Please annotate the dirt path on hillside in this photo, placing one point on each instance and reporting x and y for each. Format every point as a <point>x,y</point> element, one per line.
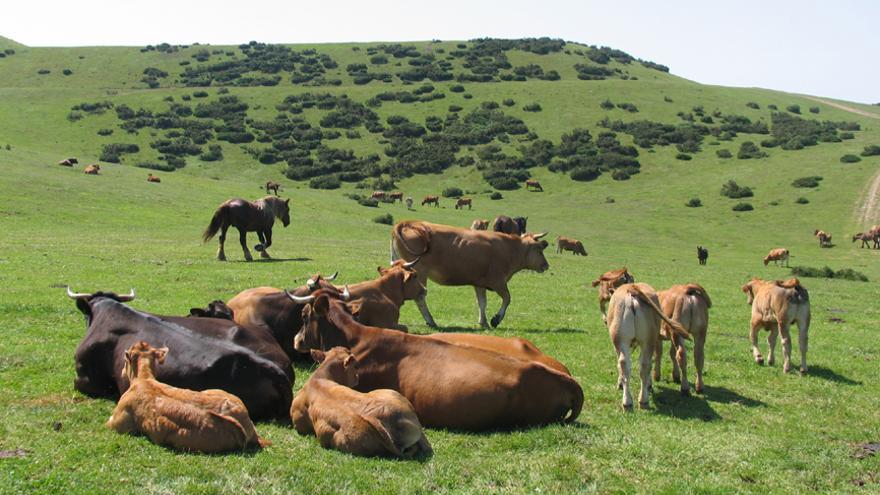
<point>867,210</point>
<point>845,108</point>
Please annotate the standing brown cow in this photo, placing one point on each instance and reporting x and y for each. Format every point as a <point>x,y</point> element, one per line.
<point>775,306</point>
<point>867,238</point>
<point>534,184</point>
<point>431,199</point>
<point>456,256</point>
<point>567,244</point>
<point>462,202</point>
<point>824,238</point>
<point>777,255</point>
<point>608,282</point>
<point>689,305</point>
<point>153,178</point>
<point>396,196</point>
<point>93,169</point>
<point>379,195</point>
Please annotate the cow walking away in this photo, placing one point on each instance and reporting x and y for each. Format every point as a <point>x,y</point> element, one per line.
<point>94,169</point>
<point>435,200</point>
<point>534,184</point>
<point>209,421</point>
<point>823,237</point>
<point>209,353</point>
<point>246,216</point>
<point>776,305</point>
<point>462,202</point>
<point>515,226</point>
<point>567,244</point>
<point>409,202</point>
<point>377,423</point>
<point>777,255</point>
<point>481,389</point>
<point>479,224</point>
<point>396,196</point>
<point>272,186</point>
<point>634,318</point>
<point>869,239</point>
<point>607,283</point>
<point>153,178</point>
<point>456,256</point>
<point>702,255</point>
<point>689,305</point>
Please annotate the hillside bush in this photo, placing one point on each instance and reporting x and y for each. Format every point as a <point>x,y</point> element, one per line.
<point>850,158</point>
<point>724,153</point>
<point>629,107</point>
<point>694,203</point>
<point>871,150</point>
<point>811,181</point>
<point>743,207</point>
<point>748,150</point>
<point>607,104</point>
<point>163,167</point>
<point>378,60</point>
<point>734,191</point>
<point>495,196</point>
<point>683,156</point>
<point>620,174</point>
<point>827,272</point>
<point>802,200</point>
<point>105,132</point>
<point>753,105</point>
<point>847,135</point>
<point>585,174</point>
<point>794,108</point>
<point>452,192</point>
<point>325,182</point>
<point>43,72</point>
<point>772,107</point>
<point>214,154</point>
<point>814,109</point>
<point>456,88</point>
<point>592,72</point>
<point>532,107</point>
<point>67,72</point>
<point>385,219</point>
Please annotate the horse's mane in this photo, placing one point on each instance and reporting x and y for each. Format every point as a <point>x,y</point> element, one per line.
<point>269,205</point>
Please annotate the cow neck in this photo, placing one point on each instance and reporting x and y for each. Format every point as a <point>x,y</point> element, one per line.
<point>391,285</point>
<point>145,369</point>
<point>326,371</point>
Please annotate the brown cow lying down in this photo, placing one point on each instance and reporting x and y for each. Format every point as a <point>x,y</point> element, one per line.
<point>567,244</point>
<point>775,306</point>
<point>207,421</point>
<point>608,283</point>
<point>377,423</point>
<point>634,318</point>
<point>514,347</point>
<point>450,386</point>
<point>689,305</point>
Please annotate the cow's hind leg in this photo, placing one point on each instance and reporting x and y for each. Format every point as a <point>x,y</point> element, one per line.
<point>786,347</point>
<point>624,368</point>
<point>771,344</point>
<point>645,374</point>
<point>505,302</point>
<point>221,254</point>
<point>699,359</point>
<point>803,341</point>
<point>679,365</point>
<point>753,337</point>
<point>658,357</point>
<point>422,304</point>
<point>481,305</point>
<point>242,237</point>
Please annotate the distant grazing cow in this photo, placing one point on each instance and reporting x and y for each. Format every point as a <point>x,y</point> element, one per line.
<point>208,353</point>
<point>409,202</point>
<point>377,423</point>
<point>777,255</point>
<point>272,186</point>
<point>93,169</point>
<point>68,162</point>
<point>702,255</point>
<point>634,318</point>
<point>775,306</point>
<point>456,256</point>
<point>515,226</point>
<point>378,195</point>
<point>479,224</point>
<point>396,196</point>
<point>534,184</point>
<point>824,238</point>
<point>867,239</point>
<point>462,202</point>
<point>153,178</point>
<point>431,199</point>
<point>208,421</point>
<point>482,390</point>
<point>215,309</point>
<point>567,244</point>
<point>607,283</point>
<point>689,305</point>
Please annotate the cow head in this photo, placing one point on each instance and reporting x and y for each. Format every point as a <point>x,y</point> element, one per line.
<point>316,331</point>
<point>142,352</point>
<point>216,309</point>
<point>84,300</point>
<point>338,364</point>
<point>749,290</point>
<point>534,256</point>
<point>317,282</point>
<point>411,286</point>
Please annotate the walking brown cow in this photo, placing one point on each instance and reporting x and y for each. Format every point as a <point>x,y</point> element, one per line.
<point>775,306</point>
<point>689,305</point>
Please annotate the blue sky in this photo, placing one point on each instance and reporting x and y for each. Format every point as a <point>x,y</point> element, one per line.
<point>827,48</point>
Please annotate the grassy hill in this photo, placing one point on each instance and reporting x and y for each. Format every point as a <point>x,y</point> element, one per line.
<point>754,430</point>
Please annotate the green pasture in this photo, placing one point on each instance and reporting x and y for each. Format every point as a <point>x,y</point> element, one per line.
<point>754,430</point>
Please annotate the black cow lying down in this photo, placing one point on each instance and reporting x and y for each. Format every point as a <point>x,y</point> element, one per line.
<point>209,353</point>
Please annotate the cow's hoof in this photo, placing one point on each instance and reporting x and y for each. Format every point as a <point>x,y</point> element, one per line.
<point>495,321</point>
<point>627,408</point>
<point>803,371</point>
<point>643,405</point>
<point>221,258</point>
<point>759,361</point>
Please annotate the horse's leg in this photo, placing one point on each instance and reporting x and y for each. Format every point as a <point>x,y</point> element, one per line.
<point>266,241</point>
<point>242,237</point>
<point>221,255</point>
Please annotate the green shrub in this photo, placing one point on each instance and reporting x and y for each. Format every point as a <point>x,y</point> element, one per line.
<point>508,102</point>
<point>743,207</point>
<point>368,202</point>
<point>871,150</point>
<point>164,167</point>
<point>683,156</point>
<point>667,99</point>
<point>200,94</point>
<point>814,109</point>
<point>385,219</point>
<point>620,174</point>
<point>629,107</point>
<point>456,88</point>
<point>607,105</point>
<point>811,181</point>
<point>532,107</point>
<point>847,135</point>
<point>325,182</point>
<point>753,105</point>
<point>748,150</point>
<point>67,72</point>
<point>452,192</point>
<point>495,196</point>
<point>43,72</point>
<point>794,108</point>
<point>734,191</point>
<point>585,174</point>
<point>694,203</point>
<point>503,182</point>
<point>105,132</point>
<point>827,272</point>
<point>849,158</point>
<point>772,107</point>
<point>454,108</point>
<point>802,200</point>
<point>724,153</point>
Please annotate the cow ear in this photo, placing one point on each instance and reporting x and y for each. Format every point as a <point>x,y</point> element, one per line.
<point>349,361</point>
<point>160,354</point>
<point>746,287</point>
<point>321,305</point>
<point>287,201</point>
<point>407,276</point>
<point>318,356</point>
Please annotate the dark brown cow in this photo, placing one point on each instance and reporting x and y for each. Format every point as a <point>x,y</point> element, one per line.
<point>608,283</point>
<point>507,225</point>
<point>272,186</point>
<point>534,184</point>
<point>462,202</point>
<point>431,199</point>
<point>93,169</point>
<point>479,389</point>
<point>68,162</point>
<point>380,195</point>
<point>153,178</point>
<point>456,256</point>
<point>568,244</point>
<point>396,196</point>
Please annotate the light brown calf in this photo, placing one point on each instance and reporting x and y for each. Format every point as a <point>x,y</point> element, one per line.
<point>431,199</point>
<point>480,224</point>
<point>94,169</point>
<point>775,306</point>
<point>380,195</point>
<point>568,244</point>
<point>777,255</point>
<point>608,282</point>
<point>207,421</point>
<point>462,202</point>
<point>534,184</point>
<point>153,178</point>
<point>689,305</point>
<point>377,423</point>
<point>824,238</point>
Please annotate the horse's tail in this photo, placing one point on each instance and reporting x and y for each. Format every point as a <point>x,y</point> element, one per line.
<point>217,221</point>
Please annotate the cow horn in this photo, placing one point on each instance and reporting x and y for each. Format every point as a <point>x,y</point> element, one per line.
<point>75,295</point>
<point>299,300</point>
<point>538,236</point>
<point>332,277</point>
<point>127,297</point>
<point>346,295</point>
<point>412,263</point>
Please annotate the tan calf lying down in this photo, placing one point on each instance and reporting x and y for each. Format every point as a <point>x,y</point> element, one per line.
<point>775,306</point>
<point>381,422</point>
<point>689,305</point>
<point>634,317</point>
<point>208,421</point>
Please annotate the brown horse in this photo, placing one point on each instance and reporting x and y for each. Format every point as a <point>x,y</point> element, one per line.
<point>247,216</point>
<point>272,186</point>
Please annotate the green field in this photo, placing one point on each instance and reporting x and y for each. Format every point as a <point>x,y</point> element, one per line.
<point>754,429</point>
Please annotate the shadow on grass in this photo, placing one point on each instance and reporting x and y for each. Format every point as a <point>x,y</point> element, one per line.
<point>726,396</point>
<point>670,402</point>
<point>830,375</point>
<point>514,429</point>
<point>273,260</point>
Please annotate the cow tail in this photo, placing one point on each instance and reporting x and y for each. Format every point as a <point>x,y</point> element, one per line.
<point>673,325</point>
<point>698,290</point>
<point>577,400</point>
<point>383,433</point>
<point>397,236</point>
<point>217,221</point>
